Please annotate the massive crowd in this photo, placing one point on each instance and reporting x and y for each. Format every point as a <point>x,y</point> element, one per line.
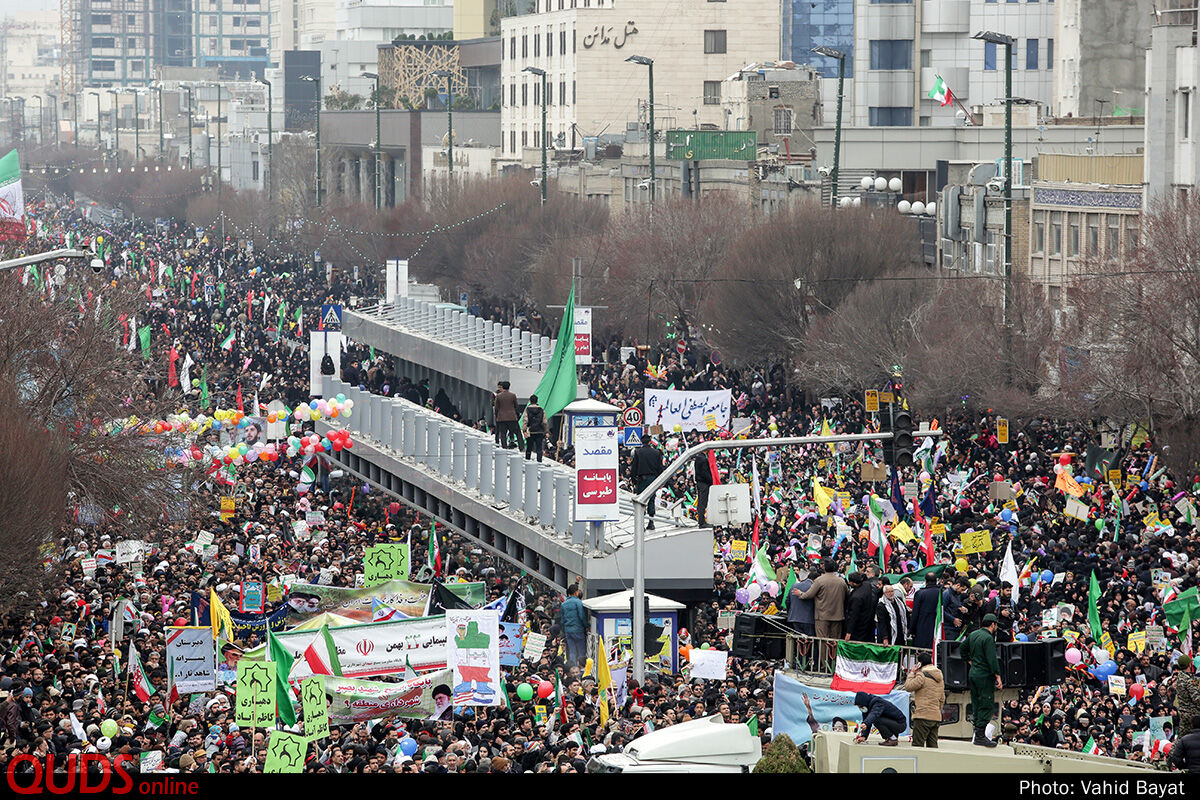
<point>61,688</point>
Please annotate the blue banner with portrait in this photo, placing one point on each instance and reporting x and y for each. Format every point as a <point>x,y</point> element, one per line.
<point>800,710</point>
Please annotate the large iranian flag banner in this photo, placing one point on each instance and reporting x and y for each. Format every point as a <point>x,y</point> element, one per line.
<point>12,199</point>
<point>865,668</point>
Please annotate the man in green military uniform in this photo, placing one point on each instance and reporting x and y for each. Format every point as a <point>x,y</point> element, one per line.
<point>979,649</point>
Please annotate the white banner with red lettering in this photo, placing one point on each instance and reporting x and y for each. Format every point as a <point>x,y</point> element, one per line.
<point>596,464</point>
<point>583,335</point>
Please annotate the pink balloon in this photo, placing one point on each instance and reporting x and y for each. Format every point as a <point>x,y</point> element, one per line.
<point>1073,656</point>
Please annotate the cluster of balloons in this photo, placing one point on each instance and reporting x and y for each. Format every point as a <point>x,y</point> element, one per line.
<point>316,409</point>
<point>184,423</point>
<point>525,691</point>
<point>312,443</point>
<point>685,652</point>
<point>752,591</point>
<point>244,453</point>
<point>1045,576</point>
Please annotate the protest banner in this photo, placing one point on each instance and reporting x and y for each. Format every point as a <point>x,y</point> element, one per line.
<point>316,707</point>
<point>1136,642</point>
<point>285,752</point>
<point>737,549</point>
<point>253,597</point>
<point>669,408</point>
<point>709,664</point>
<point>535,644</point>
<point>1116,685</point>
<point>801,709</point>
<point>89,567</point>
<point>192,659</point>
<point>255,694</point>
<point>352,701</point>
<point>473,655</point>
<point>385,562</point>
<point>130,551</point>
<point>376,648</point>
<point>510,644</point>
<point>976,542</point>
<point>306,600</point>
<point>228,506</point>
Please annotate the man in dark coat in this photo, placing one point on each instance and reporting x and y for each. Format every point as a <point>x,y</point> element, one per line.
<point>881,715</point>
<point>860,610</point>
<point>647,465</point>
<point>924,612</point>
<point>704,482</point>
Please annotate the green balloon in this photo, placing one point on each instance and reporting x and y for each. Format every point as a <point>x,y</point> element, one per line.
<point>704,646</point>
<point>525,691</point>
<point>1099,524</point>
<point>109,728</point>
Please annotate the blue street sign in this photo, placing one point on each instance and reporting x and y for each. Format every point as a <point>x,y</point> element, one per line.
<point>331,317</point>
<point>631,437</point>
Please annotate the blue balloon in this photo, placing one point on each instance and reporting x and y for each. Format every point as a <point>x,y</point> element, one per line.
<point>1006,515</point>
<point>1022,637</point>
<point>313,404</point>
<point>1144,486</point>
<point>1047,576</point>
<point>408,745</point>
<point>216,425</point>
<point>1107,668</point>
<point>1088,481</point>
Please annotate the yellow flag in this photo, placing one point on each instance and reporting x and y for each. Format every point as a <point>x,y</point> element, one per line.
<point>1065,483</point>
<point>603,683</point>
<point>220,616</point>
<point>901,532</point>
<point>821,496</point>
<point>827,431</point>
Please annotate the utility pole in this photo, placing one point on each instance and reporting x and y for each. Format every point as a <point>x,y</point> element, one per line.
<point>162,146</point>
<point>449,76</point>
<point>191,103</point>
<point>54,121</point>
<point>270,140</point>
<point>378,145</point>
<point>649,64</point>
<point>545,174</point>
<point>837,135</point>
<point>317,80</point>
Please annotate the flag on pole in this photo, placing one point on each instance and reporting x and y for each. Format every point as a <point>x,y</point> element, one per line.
<point>560,697</point>
<point>1093,607</point>
<point>12,199</point>
<point>227,344</point>
<point>865,668</point>
<point>282,657</point>
<point>1008,572</point>
<point>144,339</point>
<point>603,678</point>
<point>787,589</point>
<point>222,622</point>
<point>410,673</point>
<point>1091,748</point>
<point>321,656</point>
<point>877,542</point>
<point>204,386</point>
<point>141,684</point>
<point>560,382</point>
<point>761,570</point>
<point>941,92</point>
<point>435,555</point>
<point>1185,630</point>
<point>937,629</point>
<point>300,321</point>
<point>756,487</point>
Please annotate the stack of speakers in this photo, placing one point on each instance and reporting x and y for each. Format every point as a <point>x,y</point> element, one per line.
<point>757,636</point>
<point>1023,665</point>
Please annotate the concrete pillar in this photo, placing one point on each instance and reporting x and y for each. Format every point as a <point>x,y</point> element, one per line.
<point>480,334</point>
<point>486,468</point>
<point>500,474</point>
<point>516,479</point>
<point>420,438</point>
<point>531,489</point>
<point>505,343</point>
<point>446,449</point>
<point>544,353</point>
<point>460,454</point>
<point>355,421</point>
<point>578,529</point>
<point>526,348</point>
<point>384,424</point>
<point>493,337</point>
<point>432,429</point>
<point>546,495</point>
<point>562,503</point>
<point>471,461</point>
<point>374,418</point>
<point>516,345</point>
<point>367,411</point>
<point>397,437</point>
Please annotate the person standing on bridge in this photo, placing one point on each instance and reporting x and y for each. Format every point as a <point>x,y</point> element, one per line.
<point>504,407</point>
<point>535,428</point>
<point>647,465</point>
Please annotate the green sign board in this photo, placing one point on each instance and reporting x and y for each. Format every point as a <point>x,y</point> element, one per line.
<point>692,145</point>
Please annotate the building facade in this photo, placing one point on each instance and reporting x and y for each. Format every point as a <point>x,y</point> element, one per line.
<point>781,103</point>
<point>1172,78</point>
<point>583,46</point>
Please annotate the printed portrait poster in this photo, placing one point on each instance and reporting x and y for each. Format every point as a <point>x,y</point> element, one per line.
<point>353,701</point>
<point>801,710</point>
<point>473,637</point>
<point>510,644</point>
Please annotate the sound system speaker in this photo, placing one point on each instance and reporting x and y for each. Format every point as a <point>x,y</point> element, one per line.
<point>1027,665</point>
<point>1056,667</point>
<point>757,637</point>
<point>954,667</point>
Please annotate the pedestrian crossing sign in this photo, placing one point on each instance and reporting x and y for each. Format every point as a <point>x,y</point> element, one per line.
<point>331,317</point>
<point>633,437</point>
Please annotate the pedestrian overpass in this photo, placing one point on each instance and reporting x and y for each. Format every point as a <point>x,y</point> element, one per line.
<point>520,511</point>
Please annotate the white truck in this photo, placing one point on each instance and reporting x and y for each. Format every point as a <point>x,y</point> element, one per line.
<point>700,745</point>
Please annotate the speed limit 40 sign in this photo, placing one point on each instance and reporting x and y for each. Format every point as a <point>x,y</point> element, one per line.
<point>631,417</point>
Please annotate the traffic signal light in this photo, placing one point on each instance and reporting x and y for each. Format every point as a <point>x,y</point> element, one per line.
<point>901,445</point>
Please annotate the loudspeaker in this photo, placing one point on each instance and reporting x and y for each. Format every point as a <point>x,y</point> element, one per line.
<point>1027,665</point>
<point>954,667</point>
<point>1015,659</point>
<point>1056,666</point>
<point>757,637</point>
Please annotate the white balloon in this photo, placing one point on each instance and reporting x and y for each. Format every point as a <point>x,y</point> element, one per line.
<point>1100,654</point>
<point>755,590</point>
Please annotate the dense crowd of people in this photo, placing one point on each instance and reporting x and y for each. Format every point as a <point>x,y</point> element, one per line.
<point>63,679</point>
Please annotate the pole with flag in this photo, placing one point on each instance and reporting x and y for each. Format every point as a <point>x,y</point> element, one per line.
<point>434,556</point>
<point>937,629</point>
<point>558,385</point>
<point>1094,608</point>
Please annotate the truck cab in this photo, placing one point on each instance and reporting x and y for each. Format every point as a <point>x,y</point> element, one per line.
<point>700,745</point>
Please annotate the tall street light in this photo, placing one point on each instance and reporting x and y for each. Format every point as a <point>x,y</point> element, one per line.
<point>545,175</point>
<point>116,121</point>
<point>829,52</point>
<point>378,145</point>
<point>54,120</point>
<point>137,128</point>
<point>1007,42</point>
<point>649,63</point>
<point>270,139</point>
<point>41,118</point>
<point>161,137</point>
<point>317,80</point>
<point>449,76</point>
<point>191,111</point>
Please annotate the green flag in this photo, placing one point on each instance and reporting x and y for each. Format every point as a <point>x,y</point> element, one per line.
<point>1186,604</point>
<point>144,338</point>
<point>558,386</point>
<point>1093,608</point>
<point>753,725</point>
<point>283,660</point>
<point>204,387</point>
<point>221,289</point>
<point>787,590</point>
<point>281,316</point>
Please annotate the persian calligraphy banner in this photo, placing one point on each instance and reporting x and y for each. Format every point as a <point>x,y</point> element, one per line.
<point>596,465</point>
<point>191,659</point>
<point>377,648</point>
<point>669,407</point>
<point>353,701</point>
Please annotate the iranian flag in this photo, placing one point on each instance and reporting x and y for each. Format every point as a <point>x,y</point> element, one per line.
<point>435,554</point>
<point>1091,748</point>
<point>865,668</point>
<point>137,675</point>
<point>12,199</point>
<point>941,92</point>
<point>228,343</point>
<point>321,655</point>
<point>877,544</point>
<point>761,571</point>
<point>937,629</point>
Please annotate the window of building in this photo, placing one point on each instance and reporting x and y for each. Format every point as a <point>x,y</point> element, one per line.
<point>890,116</point>
<point>537,94</point>
<point>783,122</point>
<point>926,58</point>
<point>1112,246</point>
<point>1185,115</point>
<point>772,92</point>
<point>524,94</point>
<point>537,138</point>
<point>512,94</point>
<point>891,54</point>
<point>989,259</point>
<point>512,141</point>
<point>1056,235</point>
<point>104,42</point>
<point>1050,52</point>
<point>237,22</point>
<point>712,93</point>
<point>237,44</point>
<point>562,42</point>
<point>253,22</point>
<point>714,41</point>
<point>1056,296</point>
<point>254,171</point>
<point>989,54</point>
<point>1132,232</point>
<point>103,65</point>
<point>1073,235</point>
<point>925,121</point>
<point>524,138</point>
<point>1031,54</point>
<point>549,43</point>
<point>888,2</point>
<point>524,47</point>
<point>101,19</point>
<point>131,19</point>
<point>562,92</point>
<point>537,45</point>
<point>1039,236</point>
<point>512,47</point>
<point>1093,235</point>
